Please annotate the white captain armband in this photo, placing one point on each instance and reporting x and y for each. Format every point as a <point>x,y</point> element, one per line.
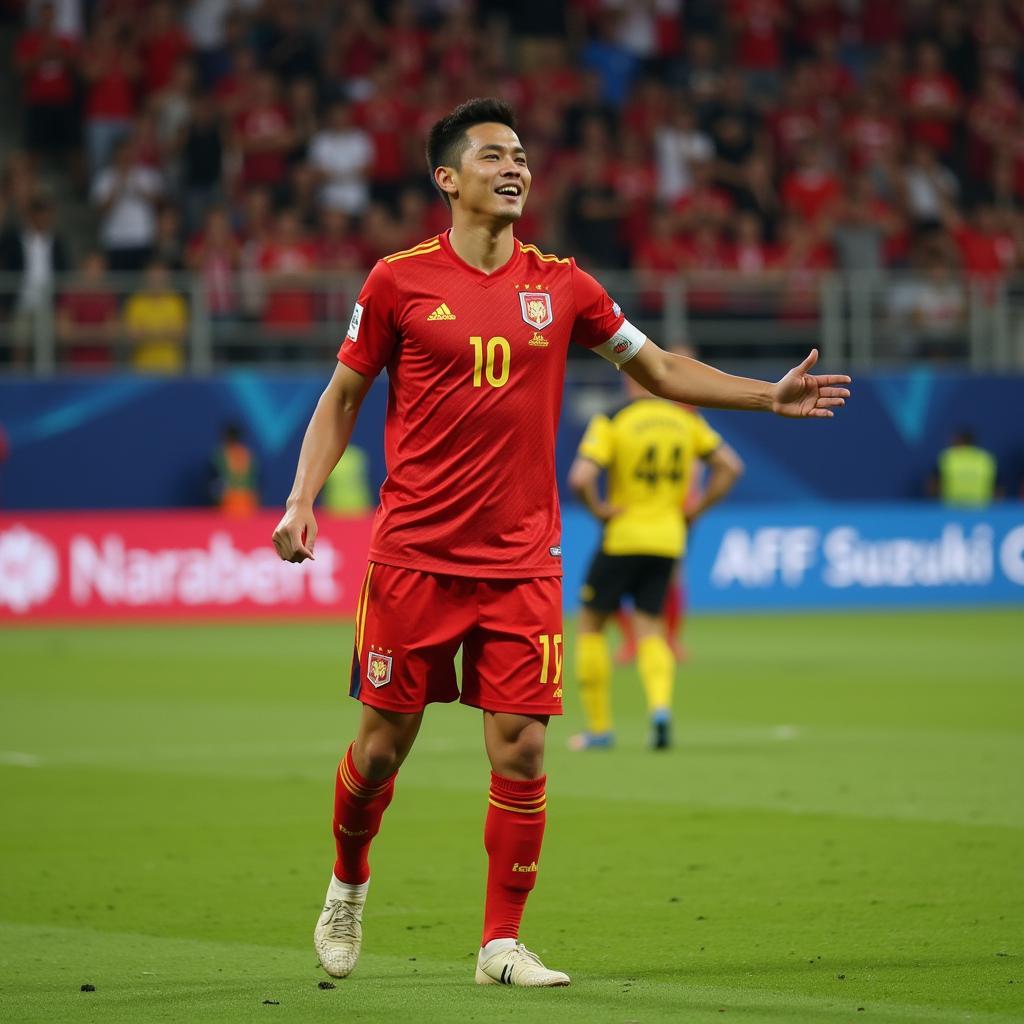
<point>622,345</point>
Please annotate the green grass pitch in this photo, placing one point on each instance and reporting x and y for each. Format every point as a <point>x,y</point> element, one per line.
<point>836,837</point>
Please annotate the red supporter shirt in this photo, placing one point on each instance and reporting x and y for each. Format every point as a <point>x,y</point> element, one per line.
<point>90,309</point>
<point>981,254</point>
<point>870,138</point>
<point>50,82</point>
<point>289,306</point>
<point>881,22</point>
<point>160,54</point>
<point>255,125</point>
<point>709,201</point>
<point>408,48</point>
<point>112,95</point>
<point>810,193</point>
<point>752,257</point>
<point>920,92</point>
<point>386,120</point>
<point>475,367</point>
<point>759,43</point>
<point>791,127</point>
<point>832,80</point>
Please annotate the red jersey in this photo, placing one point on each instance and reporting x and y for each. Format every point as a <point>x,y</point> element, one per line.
<point>922,92</point>
<point>791,127</point>
<point>981,254</point>
<point>88,308</point>
<point>51,82</point>
<point>475,367</point>
<point>385,118</point>
<point>112,95</point>
<point>870,138</point>
<point>811,193</point>
<point>261,166</point>
<point>759,32</point>
<point>160,54</point>
<point>289,306</point>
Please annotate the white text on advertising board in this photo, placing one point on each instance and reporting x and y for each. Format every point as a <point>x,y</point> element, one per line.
<point>772,556</point>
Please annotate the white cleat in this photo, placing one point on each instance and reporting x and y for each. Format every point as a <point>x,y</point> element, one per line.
<point>339,931</point>
<point>516,965</point>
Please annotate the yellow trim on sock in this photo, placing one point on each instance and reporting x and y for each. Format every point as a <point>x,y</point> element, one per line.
<point>517,810</point>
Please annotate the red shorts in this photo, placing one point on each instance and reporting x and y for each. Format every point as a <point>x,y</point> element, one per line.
<point>410,624</point>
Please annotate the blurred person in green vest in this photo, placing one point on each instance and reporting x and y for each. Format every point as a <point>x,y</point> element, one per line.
<point>347,490</point>
<point>965,476</point>
<point>233,472</point>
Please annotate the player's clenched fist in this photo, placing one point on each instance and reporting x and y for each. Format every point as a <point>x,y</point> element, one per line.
<point>296,534</point>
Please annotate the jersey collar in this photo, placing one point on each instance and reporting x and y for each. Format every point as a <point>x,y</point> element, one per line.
<point>484,280</point>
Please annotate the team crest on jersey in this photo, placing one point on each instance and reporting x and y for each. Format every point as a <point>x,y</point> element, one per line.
<point>536,307</point>
<point>378,669</point>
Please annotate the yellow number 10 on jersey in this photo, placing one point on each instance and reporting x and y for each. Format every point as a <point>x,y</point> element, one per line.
<point>480,371</point>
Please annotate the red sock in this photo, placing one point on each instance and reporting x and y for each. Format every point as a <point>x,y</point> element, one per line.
<point>358,807</point>
<point>673,610</point>
<point>512,837</point>
<point>624,620</point>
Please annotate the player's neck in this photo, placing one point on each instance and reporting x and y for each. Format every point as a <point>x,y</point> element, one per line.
<point>488,247</point>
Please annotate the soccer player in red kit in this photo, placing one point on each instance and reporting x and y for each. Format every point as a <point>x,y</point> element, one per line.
<point>473,327</point>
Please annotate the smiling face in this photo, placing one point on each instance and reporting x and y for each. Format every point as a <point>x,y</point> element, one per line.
<point>492,178</point>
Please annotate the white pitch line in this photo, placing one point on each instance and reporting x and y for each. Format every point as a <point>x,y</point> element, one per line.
<point>785,732</point>
<point>19,759</point>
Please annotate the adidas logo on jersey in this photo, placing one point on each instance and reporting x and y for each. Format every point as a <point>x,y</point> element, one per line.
<point>442,313</point>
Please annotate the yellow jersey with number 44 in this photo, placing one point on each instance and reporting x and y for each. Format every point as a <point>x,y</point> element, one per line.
<point>648,448</point>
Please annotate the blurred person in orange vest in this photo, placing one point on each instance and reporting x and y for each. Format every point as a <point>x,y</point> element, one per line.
<point>234,475</point>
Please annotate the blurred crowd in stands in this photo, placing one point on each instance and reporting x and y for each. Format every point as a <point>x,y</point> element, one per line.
<point>774,138</point>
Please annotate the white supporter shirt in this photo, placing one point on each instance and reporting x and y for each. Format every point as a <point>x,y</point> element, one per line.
<point>925,191</point>
<point>675,152</point>
<point>344,157</point>
<point>131,219</point>
<point>38,275</point>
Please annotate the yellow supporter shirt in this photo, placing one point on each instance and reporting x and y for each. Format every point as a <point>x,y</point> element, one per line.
<point>153,313</point>
<point>648,449</point>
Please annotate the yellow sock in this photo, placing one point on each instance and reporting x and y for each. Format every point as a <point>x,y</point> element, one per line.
<point>594,678</point>
<point>657,669</point>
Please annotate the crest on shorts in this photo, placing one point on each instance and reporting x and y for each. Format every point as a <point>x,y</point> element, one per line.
<point>536,307</point>
<point>378,669</point>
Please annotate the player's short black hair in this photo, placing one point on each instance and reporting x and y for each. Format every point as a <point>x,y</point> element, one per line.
<point>447,139</point>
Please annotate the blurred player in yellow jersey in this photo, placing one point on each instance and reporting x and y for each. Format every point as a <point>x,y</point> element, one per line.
<point>648,448</point>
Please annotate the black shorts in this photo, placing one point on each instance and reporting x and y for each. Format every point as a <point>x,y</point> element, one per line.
<point>610,578</point>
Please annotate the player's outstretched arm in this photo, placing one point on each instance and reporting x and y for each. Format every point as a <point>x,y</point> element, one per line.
<point>326,438</point>
<point>682,379</point>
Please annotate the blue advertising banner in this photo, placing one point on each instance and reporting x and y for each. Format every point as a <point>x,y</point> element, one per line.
<point>127,441</point>
<point>772,557</point>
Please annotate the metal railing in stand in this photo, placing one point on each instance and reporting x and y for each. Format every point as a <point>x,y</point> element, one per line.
<point>860,320</point>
